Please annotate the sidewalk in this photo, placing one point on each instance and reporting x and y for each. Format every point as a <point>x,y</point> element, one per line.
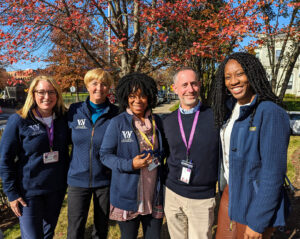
<point>164,108</point>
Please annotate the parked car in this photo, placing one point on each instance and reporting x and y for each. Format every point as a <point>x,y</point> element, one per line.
<point>161,97</point>
<point>13,95</point>
<point>294,122</point>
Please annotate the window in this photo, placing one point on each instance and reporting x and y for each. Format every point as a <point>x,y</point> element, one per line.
<point>290,84</point>
<point>277,54</point>
<point>257,55</point>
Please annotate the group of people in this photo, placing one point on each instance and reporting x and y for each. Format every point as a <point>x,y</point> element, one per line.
<point>139,168</point>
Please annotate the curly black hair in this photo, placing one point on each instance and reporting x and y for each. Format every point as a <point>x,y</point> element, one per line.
<point>130,83</point>
<point>257,78</point>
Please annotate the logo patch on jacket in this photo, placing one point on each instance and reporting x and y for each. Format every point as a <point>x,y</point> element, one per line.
<point>81,124</point>
<point>35,129</point>
<point>126,136</point>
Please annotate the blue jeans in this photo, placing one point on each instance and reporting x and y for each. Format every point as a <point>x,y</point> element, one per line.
<point>151,227</point>
<point>39,218</point>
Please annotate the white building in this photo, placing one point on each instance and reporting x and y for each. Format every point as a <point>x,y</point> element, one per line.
<point>294,83</point>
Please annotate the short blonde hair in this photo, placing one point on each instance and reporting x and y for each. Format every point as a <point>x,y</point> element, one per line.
<point>59,107</point>
<point>100,75</point>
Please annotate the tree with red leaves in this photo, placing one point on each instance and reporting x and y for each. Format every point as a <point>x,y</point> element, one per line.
<point>132,33</point>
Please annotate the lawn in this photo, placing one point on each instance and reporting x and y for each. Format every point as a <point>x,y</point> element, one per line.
<point>70,98</point>
<point>61,229</point>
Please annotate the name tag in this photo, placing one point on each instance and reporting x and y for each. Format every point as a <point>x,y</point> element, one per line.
<point>50,157</point>
<point>186,171</point>
<point>154,164</point>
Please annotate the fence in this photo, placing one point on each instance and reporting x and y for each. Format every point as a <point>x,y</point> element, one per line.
<point>72,98</point>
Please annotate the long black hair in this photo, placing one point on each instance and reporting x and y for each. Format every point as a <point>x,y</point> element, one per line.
<point>130,83</point>
<point>257,78</point>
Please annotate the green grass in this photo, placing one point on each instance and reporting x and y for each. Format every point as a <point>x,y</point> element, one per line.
<point>13,232</point>
<point>293,146</point>
<point>174,107</point>
<point>71,98</point>
<point>114,232</point>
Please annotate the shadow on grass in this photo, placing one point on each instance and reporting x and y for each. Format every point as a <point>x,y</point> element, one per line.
<point>113,230</point>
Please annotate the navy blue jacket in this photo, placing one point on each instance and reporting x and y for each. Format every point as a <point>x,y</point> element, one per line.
<point>257,166</point>
<point>22,169</point>
<point>86,169</point>
<point>120,145</point>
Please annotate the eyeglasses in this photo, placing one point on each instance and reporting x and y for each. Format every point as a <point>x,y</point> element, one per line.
<point>44,92</point>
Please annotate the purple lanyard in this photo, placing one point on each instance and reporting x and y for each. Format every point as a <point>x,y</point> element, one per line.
<point>50,131</point>
<point>188,146</point>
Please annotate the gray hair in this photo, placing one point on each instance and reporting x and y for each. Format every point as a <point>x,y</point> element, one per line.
<point>185,68</point>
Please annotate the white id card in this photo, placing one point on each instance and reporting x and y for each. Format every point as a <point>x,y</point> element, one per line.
<point>50,157</point>
<point>185,175</point>
<point>154,164</point>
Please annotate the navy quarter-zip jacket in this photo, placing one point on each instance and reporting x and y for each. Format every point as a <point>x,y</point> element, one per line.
<point>86,169</point>
<point>119,147</point>
<point>22,169</point>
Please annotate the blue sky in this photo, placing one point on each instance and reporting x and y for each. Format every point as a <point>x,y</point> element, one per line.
<point>42,53</point>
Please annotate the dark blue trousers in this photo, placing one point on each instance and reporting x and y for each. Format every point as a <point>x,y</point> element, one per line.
<point>151,227</point>
<point>39,218</point>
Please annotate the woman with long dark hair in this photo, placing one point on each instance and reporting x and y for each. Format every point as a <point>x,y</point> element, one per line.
<point>255,136</point>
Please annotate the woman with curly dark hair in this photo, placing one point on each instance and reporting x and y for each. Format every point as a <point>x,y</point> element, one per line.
<point>133,149</point>
<point>254,135</point>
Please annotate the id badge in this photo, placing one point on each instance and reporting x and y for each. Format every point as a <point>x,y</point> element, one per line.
<point>154,164</point>
<point>186,171</point>
<point>50,157</point>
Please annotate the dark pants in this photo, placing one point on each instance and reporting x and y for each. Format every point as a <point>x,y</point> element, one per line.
<point>78,207</point>
<point>151,227</point>
<point>39,218</point>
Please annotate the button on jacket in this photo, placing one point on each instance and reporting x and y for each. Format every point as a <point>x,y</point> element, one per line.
<point>257,166</point>
<point>22,169</point>
<point>86,169</point>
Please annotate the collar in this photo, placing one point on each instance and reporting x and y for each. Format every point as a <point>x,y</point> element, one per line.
<point>190,111</point>
<point>98,106</point>
<point>230,103</point>
<point>87,106</point>
<point>245,110</point>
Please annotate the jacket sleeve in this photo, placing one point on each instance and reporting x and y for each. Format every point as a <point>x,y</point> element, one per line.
<point>108,150</point>
<point>70,115</point>
<point>273,145</point>
<point>9,148</point>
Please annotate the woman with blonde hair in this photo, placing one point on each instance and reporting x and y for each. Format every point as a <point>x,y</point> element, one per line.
<point>87,176</point>
<point>34,159</point>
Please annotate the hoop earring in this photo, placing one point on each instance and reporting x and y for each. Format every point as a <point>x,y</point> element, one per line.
<point>227,91</point>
